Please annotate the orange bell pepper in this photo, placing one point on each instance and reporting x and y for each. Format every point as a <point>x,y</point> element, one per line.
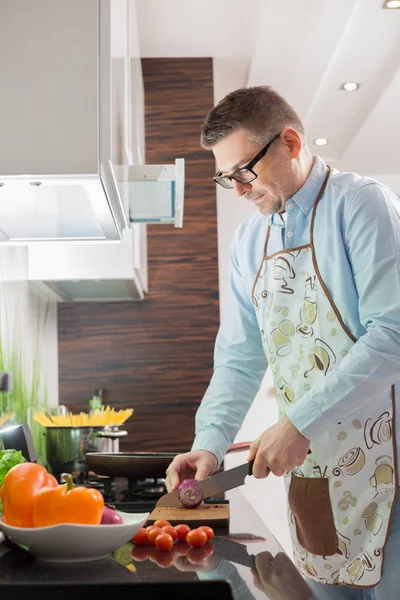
<point>67,504</point>
<point>20,486</point>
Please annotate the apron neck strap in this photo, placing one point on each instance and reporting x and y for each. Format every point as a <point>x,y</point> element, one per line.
<point>318,198</point>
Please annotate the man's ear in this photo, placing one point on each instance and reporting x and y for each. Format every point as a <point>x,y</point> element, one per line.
<point>292,141</point>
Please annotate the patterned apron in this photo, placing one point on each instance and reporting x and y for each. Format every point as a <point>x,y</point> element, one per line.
<point>342,498</point>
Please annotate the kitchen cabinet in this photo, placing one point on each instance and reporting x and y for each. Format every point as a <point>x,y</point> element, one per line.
<point>63,107</point>
<point>71,116</point>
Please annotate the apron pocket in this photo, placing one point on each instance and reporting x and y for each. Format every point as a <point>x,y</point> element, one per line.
<point>310,505</point>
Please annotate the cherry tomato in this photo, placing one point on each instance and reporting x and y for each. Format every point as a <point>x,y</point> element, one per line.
<point>140,554</point>
<point>182,531</point>
<point>209,549</point>
<point>182,548</point>
<point>164,542</point>
<point>164,559</point>
<point>209,531</point>
<point>141,538</point>
<point>170,530</point>
<point>153,554</point>
<point>174,549</point>
<point>153,533</point>
<point>197,538</point>
<point>197,555</point>
<point>161,523</point>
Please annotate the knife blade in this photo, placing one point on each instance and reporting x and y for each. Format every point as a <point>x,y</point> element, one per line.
<point>215,484</point>
<point>234,552</point>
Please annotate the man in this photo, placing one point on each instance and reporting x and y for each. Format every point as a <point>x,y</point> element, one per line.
<point>314,294</point>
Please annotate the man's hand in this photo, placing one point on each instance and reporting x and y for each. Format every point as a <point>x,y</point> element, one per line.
<point>278,578</point>
<point>197,464</point>
<point>278,449</point>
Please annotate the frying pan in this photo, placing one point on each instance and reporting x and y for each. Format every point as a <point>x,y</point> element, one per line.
<point>132,465</point>
<point>137,465</point>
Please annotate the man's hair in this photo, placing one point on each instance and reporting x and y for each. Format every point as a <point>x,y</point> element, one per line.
<point>259,110</point>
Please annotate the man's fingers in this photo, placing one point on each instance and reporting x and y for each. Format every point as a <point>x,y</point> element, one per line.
<point>253,449</point>
<point>257,581</point>
<point>201,473</point>
<point>172,481</point>
<point>198,464</point>
<point>277,471</point>
<point>260,468</point>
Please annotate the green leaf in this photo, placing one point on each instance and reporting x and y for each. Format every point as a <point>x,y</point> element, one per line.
<point>8,460</point>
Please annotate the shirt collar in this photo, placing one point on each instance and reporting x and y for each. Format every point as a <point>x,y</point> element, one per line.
<point>306,196</point>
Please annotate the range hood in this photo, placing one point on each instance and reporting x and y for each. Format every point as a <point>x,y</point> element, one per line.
<point>115,271</point>
<point>72,126</point>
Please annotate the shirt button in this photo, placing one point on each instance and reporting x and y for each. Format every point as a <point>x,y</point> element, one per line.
<point>290,234</point>
<point>290,205</point>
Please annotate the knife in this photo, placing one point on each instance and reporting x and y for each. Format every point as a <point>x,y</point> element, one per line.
<point>215,484</point>
<point>234,552</point>
<point>221,482</point>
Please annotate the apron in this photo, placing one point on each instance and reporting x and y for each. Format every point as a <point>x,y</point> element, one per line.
<point>340,501</point>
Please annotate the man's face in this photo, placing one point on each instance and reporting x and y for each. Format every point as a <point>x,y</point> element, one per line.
<point>275,182</point>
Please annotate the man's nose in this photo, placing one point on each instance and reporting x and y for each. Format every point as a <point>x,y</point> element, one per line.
<point>240,188</point>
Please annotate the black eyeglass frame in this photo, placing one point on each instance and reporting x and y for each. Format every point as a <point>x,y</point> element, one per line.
<point>219,178</point>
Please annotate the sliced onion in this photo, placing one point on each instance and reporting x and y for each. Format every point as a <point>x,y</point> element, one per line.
<point>190,493</point>
<point>110,516</point>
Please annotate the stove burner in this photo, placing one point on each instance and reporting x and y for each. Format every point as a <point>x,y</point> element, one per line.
<point>144,489</point>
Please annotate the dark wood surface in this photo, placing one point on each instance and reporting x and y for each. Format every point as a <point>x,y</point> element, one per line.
<point>156,356</point>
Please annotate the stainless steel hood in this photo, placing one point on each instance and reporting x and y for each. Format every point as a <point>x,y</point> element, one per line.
<point>72,124</point>
<point>115,271</point>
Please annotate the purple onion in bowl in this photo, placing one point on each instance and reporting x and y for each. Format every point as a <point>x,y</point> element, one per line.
<point>110,516</point>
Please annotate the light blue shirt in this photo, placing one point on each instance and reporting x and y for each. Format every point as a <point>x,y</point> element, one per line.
<point>357,247</point>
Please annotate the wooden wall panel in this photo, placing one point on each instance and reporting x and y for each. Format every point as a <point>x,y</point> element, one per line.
<point>156,356</point>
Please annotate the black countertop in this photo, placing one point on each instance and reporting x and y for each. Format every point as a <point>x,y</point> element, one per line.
<point>230,569</point>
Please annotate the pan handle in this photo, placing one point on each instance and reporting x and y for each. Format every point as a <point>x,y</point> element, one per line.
<point>239,446</point>
<point>112,434</point>
<point>244,446</point>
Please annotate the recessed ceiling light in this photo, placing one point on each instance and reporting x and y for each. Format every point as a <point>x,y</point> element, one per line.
<point>350,86</point>
<point>391,4</point>
<point>321,142</point>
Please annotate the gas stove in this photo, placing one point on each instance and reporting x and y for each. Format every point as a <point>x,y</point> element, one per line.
<point>130,495</point>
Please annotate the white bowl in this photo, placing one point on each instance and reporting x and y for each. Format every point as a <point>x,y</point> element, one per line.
<point>72,543</point>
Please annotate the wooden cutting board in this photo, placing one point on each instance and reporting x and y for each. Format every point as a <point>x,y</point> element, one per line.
<point>214,515</point>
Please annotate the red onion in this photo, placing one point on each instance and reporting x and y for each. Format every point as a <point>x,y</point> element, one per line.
<point>110,517</point>
<point>190,494</point>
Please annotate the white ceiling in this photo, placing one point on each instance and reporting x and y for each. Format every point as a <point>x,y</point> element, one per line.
<point>305,49</point>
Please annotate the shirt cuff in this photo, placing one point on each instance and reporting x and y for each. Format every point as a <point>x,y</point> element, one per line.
<point>307,419</point>
<point>212,441</point>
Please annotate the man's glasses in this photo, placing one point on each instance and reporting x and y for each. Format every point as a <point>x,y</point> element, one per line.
<point>244,174</point>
